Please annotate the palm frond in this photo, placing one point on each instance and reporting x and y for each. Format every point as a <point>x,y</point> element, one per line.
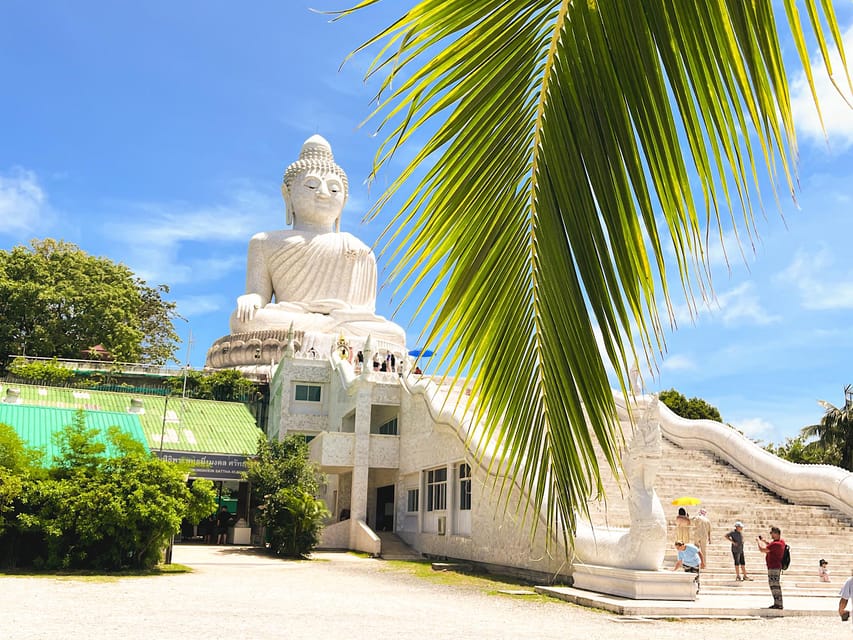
<point>561,141</point>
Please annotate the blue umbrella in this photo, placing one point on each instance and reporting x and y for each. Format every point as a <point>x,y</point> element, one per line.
<point>426,353</point>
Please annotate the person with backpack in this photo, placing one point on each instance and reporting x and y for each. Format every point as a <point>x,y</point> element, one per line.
<point>774,551</point>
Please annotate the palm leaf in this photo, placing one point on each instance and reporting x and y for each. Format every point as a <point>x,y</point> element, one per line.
<point>566,146</point>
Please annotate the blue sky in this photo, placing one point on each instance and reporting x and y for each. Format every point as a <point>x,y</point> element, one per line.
<point>156,134</point>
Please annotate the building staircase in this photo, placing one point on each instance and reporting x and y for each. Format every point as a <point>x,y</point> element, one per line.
<point>393,548</point>
<point>813,532</point>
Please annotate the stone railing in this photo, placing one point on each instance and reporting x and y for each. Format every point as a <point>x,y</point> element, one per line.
<point>109,366</point>
<point>815,484</point>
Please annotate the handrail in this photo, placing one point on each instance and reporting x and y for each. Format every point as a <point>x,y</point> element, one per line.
<point>814,484</point>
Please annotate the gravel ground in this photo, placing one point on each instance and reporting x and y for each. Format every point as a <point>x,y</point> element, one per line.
<point>235,593</point>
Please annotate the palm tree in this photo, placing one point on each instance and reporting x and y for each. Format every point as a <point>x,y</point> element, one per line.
<point>560,149</point>
<point>835,429</point>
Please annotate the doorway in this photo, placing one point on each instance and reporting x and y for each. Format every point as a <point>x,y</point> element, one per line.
<point>385,508</point>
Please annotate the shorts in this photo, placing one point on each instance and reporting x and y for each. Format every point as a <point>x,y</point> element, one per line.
<point>738,557</point>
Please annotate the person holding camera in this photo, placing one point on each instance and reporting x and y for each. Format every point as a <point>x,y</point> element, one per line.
<point>773,552</point>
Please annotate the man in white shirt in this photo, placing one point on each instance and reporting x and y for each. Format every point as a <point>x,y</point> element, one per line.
<point>846,596</point>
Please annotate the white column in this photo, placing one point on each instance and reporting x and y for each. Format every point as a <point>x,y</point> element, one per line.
<point>421,500</point>
<point>451,499</point>
<point>361,454</point>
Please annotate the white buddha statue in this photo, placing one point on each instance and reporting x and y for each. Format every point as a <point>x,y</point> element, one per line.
<point>312,277</point>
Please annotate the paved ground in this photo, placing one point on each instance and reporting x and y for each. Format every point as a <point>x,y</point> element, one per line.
<point>236,593</point>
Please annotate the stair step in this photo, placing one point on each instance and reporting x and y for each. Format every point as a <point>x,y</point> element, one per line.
<point>812,531</point>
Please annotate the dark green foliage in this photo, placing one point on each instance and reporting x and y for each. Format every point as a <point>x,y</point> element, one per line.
<point>50,372</point>
<point>79,452</point>
<point>802,452</point>
<point>692,409</point>
<point>56,300</point>
<point>284,483</point>
<point>15,455</point>
<point>19,465</point>
<point>227,385</point>
<point>834,432</point>
<point>91,511</point>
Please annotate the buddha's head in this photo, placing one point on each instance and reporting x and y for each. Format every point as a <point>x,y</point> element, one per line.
<point>315,188</point>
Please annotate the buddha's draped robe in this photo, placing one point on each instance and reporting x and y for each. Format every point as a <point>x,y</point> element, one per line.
<point>327,266</point>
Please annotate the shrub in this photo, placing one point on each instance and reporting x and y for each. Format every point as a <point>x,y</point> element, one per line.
<point>284,482</point>
<point>97,511</point>
<point>50,372</point>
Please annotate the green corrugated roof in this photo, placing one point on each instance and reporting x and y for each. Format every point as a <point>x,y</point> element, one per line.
<point>203,426</point>
<point>36,425</point>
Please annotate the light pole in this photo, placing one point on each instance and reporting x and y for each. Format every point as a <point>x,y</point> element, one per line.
<point>163,428</point>
<point>186,369</point>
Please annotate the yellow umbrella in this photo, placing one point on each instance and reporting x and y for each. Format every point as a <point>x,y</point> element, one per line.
<point>685,501</point>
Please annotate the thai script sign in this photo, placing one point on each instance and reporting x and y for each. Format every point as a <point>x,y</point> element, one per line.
<point>214,466</point>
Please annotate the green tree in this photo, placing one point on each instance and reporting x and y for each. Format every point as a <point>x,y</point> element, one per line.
<point>56,300</point>
<point>18,465</point>
<point>693,409</point>
<point>834,432</point>
<point>228,385</point>
<point>15,455</point>
<point>78,451</point>
<point>97,511</point>
<point>801,451</point>
<point>566,155</point>
<point>284,483</point>
<point>50,372</point>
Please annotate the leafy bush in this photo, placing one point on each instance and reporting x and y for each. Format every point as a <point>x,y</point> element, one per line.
<point>95,511</point>
<point>692,409</point>
<point>801,451</point>
<point>294,519</point>
<point>49,371</point>
<point>284,482</point>
<point>226,385</point>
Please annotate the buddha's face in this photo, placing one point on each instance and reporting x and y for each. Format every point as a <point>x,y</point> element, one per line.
<point>316,198</point>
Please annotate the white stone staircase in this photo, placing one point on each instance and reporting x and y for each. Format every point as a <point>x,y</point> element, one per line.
<point>813,532</point>
<point>393,548</point>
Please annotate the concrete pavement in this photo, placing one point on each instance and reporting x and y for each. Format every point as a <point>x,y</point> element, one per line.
<point>706,605</point>
<point>235,592</point>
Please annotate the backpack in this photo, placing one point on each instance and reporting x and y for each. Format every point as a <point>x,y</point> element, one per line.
<point>786,558</point>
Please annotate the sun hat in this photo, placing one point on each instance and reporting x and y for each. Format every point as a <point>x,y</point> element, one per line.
<point>738,524</point>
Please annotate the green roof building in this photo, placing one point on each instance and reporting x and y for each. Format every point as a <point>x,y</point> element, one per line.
<point>216,437</point>
<point>37,425</point>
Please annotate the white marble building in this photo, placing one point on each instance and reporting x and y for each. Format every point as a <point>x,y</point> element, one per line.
<point>397,446</point>
<point>396,462</point>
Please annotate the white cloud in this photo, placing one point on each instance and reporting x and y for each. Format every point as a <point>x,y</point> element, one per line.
<point>837,114</point>
<point>192,306</point>
<point>23,203</point>
<point>738,306</point>
<point>678,362</point>
<point>754,427</point>
<point>819,284</point>
<point>742,306</point>
<point>161,241</point>
<point>733,249</point>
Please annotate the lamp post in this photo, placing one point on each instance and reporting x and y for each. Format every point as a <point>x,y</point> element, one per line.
<point>163,428</point>
<point>186,370</point>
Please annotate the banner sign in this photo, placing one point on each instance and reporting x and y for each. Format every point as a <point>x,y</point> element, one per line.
<point>213,466</point>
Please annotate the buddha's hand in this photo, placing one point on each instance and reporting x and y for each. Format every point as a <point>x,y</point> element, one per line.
<point>247,305</point>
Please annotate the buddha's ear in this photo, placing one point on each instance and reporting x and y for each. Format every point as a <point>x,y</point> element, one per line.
<point>288,204</point>
<point>338,224</point>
